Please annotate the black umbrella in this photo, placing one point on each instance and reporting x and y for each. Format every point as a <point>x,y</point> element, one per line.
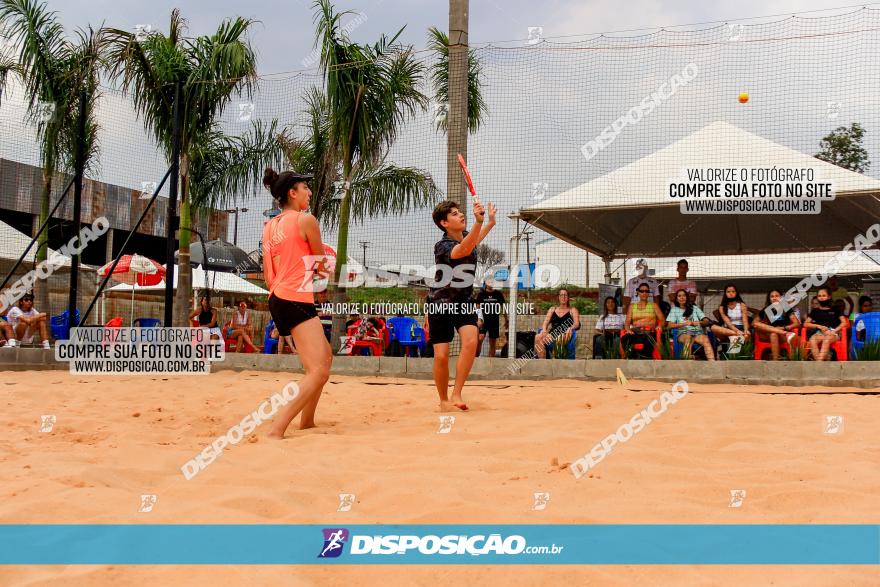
<point>222,256</point>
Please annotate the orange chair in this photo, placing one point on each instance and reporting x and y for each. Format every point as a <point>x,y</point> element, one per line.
<point>655,354</point>
<point>839,347</point>
<point>114,322</point>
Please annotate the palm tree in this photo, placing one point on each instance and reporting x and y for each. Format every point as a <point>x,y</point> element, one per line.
<point>370,90</point>
<point>55,72</point>
<point>377,188</point>
<point>212,70</point>
<point>438,41</point>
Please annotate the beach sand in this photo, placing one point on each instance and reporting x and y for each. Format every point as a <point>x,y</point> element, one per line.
<point>116,438</point>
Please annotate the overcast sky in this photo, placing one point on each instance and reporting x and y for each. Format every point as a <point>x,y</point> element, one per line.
<point>544,103</point>
<point>284,34</point>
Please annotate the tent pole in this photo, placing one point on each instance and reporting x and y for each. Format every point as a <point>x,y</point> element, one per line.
<point>513,277</point>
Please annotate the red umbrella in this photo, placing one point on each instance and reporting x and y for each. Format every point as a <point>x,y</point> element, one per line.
<point>135,269</point>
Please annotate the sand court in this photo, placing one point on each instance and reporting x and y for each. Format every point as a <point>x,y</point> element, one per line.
<point>115,439</point>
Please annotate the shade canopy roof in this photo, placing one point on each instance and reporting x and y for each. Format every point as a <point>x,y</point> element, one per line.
<point>627,212</point>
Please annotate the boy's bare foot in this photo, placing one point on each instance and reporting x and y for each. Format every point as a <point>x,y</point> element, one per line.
<point>275,436</point>
<point>459,403</point>
<point>307,425</point>
<point>446,406</point>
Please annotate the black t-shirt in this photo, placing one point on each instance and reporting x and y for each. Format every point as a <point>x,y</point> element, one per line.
<point>780,322</point>
<point>453,290</point>
<point>829,317</point>
<point>490,313</point>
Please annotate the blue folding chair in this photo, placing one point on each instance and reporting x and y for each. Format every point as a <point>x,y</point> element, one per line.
<point>146,322</point>
<point>865,329</point>
<point>403,330</point>
<point>58,325</point>
<point>270,345</point>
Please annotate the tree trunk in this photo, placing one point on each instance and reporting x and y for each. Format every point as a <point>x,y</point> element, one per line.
<point>183,294</point>
<point>457,127</point>
<point>41,286</point>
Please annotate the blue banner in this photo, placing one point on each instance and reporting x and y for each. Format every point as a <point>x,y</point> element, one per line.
<point>787,544</point>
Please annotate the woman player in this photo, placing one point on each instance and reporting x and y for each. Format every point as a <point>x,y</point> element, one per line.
<point>291,242</point>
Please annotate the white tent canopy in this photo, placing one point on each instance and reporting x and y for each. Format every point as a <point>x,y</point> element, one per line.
<point>13,242</point>
<point>218,281</point>
<point>627,212</point>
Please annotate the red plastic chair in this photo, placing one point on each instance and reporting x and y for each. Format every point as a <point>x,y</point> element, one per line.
<point>655,354</point>
<point>231,343</point>
<point>762,346</point>
<point>374,347</point>
<point>114,322</point>
<point>839,347</point>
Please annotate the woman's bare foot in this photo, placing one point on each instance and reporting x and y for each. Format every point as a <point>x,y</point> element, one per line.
<point>307,425</point>
<point>274,435</point>
<point>459,403</point>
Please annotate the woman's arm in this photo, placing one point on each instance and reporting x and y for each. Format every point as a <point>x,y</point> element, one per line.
<point>745,314</point>
<point>627,324</point>
<point>311,231</point>
<point>793,323</point>
<point>213,322</point>
<point>577,320</point>
<point>194,313</point>
<point>546,322</point>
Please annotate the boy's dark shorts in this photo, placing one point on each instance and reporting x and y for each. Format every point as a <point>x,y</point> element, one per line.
<point>490,327</point>
<point>288,315</point>
<point>442,327</point>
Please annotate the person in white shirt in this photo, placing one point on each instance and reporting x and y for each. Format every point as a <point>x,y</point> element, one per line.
<point>6,333</point>
<point>242,329</point>
<point>607,337</point>
<point>26,322</point>
<point>633,284</point>
<point>681,282</point>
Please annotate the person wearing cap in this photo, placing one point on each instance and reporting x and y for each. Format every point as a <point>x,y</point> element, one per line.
<point>633,285</point>
<point>293,254</point>
<point>26,322</point>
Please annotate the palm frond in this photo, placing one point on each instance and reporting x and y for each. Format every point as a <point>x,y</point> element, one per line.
<point>389,190</point>
<point>222,167</point>
<point>438,41</point>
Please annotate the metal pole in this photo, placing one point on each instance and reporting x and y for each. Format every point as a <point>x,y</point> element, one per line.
<point>79,170</point>
<point>171,217</point>
<point>511,309</point>
<point>235,234</point>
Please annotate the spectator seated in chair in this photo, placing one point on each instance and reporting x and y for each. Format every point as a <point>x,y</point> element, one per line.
<point>242,330</point>
<point>26,322</point>
<point>642,318</point>
<point>689,320</point>
<point>284,339</point>
<point>780,332</point>
<point>824,325</point>
<point>6,332</point>
<point>608,329</point>
<point>866,305</point>
<point>559,323</point>
<point>734,315</point>
<point>207,316</point>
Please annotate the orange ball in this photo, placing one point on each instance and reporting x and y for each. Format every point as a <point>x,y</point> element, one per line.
<point>743,98</point>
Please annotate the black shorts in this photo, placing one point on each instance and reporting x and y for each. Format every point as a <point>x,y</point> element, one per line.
<point>490,327</point>
<point>288,315</point>
<point>442,327</point>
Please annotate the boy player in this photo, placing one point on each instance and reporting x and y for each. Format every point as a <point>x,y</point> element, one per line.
<point>450,307</point>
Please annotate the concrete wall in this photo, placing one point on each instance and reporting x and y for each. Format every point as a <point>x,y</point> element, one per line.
<point>798,374</point>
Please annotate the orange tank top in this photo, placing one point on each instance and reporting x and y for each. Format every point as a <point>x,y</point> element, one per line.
<point>284,267</point>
